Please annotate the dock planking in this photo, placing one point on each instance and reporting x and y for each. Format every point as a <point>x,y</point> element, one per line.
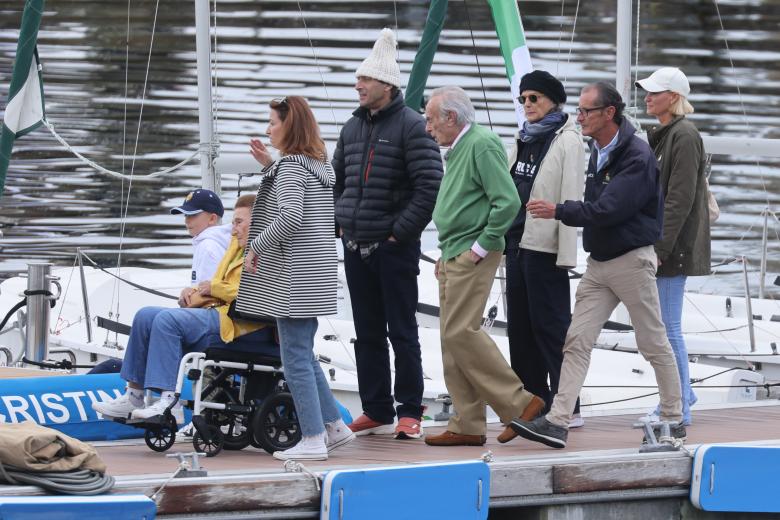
<point>602,457</point>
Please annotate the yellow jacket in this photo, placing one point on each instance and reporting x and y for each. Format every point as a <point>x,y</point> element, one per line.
<point>224,286</point>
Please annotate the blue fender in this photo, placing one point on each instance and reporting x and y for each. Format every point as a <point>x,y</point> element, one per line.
<point>64,403</point>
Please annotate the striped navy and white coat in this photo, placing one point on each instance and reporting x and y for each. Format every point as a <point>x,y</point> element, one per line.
<point>292,233</point>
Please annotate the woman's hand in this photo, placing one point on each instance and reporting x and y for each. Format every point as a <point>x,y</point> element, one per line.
<point>260,153</point>
<point>250,261</point>
<point>204,288</point>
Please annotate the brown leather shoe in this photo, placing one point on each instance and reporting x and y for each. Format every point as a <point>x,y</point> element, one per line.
<point>531,412</point>
<point>449,438</point>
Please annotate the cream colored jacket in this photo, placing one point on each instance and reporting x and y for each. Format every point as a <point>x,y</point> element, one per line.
<point>561,177</point>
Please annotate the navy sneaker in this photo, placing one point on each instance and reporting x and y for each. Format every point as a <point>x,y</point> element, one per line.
<point>541,430</point>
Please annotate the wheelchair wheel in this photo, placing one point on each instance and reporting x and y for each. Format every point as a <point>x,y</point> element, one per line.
<point>209,447</point>
<point>160,438</point>
<point>237,435</point>
<point>275,424</point>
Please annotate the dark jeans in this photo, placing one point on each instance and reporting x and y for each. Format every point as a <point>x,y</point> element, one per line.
<point>538,315</point>
<point>383,290</point>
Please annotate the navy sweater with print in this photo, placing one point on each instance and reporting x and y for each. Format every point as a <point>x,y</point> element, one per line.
<point>623,206</point>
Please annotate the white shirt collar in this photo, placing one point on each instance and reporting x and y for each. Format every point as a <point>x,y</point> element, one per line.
<point>462,132</point>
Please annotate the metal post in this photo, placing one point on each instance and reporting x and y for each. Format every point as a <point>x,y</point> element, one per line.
<point>762,278</point>
<point>84,296</point>
<point>208,176</point>
<point>623,51</point>
<point>749,306</point>
<point>39,278</point>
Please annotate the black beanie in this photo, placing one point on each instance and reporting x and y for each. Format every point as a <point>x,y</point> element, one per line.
<point>544,82</point>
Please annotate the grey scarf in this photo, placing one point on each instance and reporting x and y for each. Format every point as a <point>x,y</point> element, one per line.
<point>549,123</point>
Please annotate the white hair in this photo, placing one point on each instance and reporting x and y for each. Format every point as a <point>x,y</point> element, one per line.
<point>455,99</point>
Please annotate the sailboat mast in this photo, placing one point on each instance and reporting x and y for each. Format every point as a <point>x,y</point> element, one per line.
<point>623,54</point>
<point>208,151</point>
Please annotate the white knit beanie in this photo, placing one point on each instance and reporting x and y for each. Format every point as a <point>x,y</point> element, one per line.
<point>381,63</point>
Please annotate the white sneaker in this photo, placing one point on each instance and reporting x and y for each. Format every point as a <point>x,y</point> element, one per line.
<point>576,421</point>
<point>158,408</point>
<point>338,434</point>
<point>309,448</point>
<point>121,406</point>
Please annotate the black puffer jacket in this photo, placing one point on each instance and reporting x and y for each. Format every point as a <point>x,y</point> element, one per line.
<point>388,171</point>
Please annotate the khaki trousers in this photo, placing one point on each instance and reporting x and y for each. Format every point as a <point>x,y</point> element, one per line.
<point>630,279</point>
<point>475,371</point>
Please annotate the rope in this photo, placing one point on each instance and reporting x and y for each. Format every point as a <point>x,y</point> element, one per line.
<point>15,308</point>
<point>636,56</point>
<point>292,466</point>
<point>560,38</point>
<point>76,482</point>
<point>739,95</point>
<point>319,70</point>
<point>571,41</point>
<point>128,282</point>
<point>112,173</point>
<point>182,467</point>
<point>476,57</point>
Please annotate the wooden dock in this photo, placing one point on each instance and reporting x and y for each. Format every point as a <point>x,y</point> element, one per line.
<point>600,463</point>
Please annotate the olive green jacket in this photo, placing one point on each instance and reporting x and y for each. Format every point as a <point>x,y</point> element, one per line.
<point>684,247</point>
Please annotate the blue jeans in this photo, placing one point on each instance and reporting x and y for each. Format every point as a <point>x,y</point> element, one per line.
<point>671,291</point>
<point>159,338</point>
<point>314,402</point>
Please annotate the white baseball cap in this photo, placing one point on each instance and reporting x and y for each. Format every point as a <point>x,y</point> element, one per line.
<point>666,78</point>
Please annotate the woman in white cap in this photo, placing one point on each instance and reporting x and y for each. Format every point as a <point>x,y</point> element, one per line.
<point>684,248</point>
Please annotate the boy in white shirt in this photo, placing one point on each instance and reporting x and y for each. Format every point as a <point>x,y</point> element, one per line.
<point>203,210</point>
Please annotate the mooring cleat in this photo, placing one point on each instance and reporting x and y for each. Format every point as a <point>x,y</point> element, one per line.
<point>189,466</point>
<point>661,436</point>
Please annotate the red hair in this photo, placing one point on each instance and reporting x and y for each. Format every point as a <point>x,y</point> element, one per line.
<point>300,131</point>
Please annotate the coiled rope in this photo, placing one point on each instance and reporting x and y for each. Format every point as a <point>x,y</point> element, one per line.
<point>76,482</point>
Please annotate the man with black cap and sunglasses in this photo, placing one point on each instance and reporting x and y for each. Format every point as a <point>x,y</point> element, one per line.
<point>546,164</point>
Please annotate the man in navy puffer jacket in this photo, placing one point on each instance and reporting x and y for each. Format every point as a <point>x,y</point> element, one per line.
<point>388,171</point>
<point>621,216</point>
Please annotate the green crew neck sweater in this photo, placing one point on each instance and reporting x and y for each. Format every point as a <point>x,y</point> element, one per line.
<point>477,199</point>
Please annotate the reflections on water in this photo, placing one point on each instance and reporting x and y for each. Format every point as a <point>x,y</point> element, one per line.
<point>53,203</point>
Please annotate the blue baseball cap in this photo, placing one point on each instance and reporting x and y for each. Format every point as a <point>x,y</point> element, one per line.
<point>198,201</point>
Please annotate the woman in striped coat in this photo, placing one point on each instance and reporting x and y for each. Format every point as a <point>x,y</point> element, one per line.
<point>290,269</point>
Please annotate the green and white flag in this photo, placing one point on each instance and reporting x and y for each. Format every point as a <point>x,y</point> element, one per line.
<point>24,111</point>
<point>511,37</point>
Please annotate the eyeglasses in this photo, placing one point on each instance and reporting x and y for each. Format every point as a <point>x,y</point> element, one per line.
<point>584,112</point>
<point>533,98</point>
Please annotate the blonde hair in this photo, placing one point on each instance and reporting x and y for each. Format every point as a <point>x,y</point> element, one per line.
<point>681,106</point>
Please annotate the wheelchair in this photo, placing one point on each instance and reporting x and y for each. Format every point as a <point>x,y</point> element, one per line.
<point>240,398</point>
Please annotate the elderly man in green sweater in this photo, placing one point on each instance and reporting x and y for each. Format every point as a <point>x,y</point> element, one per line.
<point>476,204</point>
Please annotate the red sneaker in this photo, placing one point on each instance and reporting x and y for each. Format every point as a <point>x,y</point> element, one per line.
<point>365,425</point>
<point>408,428</point>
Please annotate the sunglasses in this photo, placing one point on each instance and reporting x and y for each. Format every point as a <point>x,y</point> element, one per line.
<point>279,101</point>
<point>533,98</point>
